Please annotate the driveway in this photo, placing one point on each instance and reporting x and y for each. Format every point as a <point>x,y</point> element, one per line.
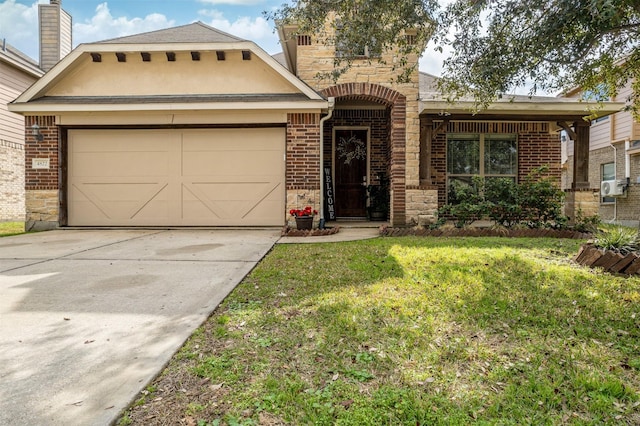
<point>88,318</point>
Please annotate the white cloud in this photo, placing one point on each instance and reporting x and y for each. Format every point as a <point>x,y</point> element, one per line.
<point>19,26</point>
<point>257,29</point>
<point>103,25</point>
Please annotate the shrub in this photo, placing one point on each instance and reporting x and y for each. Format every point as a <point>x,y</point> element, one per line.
<point>620,239</point>
<point>584,223</point>
<point>536,202</point>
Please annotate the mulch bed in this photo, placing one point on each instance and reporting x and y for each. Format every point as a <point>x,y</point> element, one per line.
<point>482,232</point>
<point>293,232</point>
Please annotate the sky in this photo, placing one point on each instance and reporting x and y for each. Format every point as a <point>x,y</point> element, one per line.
<point>96,20</point>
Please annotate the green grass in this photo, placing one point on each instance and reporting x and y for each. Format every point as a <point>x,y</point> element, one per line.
<point>416,331</point>
<point>11,228</point>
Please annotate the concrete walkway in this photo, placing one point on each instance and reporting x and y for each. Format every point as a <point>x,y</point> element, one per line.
<point>88,318</point>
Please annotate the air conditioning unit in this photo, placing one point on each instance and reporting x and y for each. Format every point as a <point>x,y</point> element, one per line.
<point>611,188</point>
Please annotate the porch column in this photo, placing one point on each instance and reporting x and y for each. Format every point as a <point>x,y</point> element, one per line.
<point>581,155</point>
<point>426,129</point>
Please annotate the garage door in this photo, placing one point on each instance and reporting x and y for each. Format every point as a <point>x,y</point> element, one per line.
<point>209,177</point>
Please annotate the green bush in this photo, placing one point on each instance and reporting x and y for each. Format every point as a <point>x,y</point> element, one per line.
<point>536,202</point>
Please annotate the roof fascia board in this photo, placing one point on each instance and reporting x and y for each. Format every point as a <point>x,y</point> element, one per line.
<point>302,106</point>
<point>289,46</point>
<point>43,83</point>
<point>541,108</point>
<point>32,70</point>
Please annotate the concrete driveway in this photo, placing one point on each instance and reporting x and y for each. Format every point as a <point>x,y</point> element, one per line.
<point>88,318</point>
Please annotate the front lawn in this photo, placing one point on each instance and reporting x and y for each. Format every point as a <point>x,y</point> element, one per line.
<point>11,228</point>
<point>413,331</point>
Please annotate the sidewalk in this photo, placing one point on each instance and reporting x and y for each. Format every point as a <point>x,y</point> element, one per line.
<point>345,234</point>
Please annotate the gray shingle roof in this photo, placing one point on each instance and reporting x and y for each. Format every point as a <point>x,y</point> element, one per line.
<point>23,61</point>
<point>190,33</point>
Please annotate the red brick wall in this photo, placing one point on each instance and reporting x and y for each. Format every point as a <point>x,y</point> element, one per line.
<point>378,123</point>
<point>536,147</point>
<point>397,103</point>
<point>41,179</point>
<point>303,151</point>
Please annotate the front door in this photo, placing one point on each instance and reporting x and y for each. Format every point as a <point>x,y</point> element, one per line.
<point>351,172</point>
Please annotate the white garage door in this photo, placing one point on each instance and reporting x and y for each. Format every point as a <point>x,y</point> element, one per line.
<point>209,177</point>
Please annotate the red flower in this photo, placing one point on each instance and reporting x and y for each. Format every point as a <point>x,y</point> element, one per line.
<point>307,211</point>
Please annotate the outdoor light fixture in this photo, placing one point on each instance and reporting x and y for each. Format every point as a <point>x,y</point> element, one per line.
<point>35,131</point>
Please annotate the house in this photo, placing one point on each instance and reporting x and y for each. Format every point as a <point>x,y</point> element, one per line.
<point>614,164</point>
<point>190,126</point>
<point>17,73</point>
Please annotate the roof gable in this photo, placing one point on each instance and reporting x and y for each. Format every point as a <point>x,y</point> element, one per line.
<point>196,32</point>
<point>179,64</point>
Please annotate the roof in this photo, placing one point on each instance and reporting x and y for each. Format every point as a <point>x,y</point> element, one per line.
<point>509,106</point>
<point>196,32</point>
<point>282,60</point>
<point>19,60</point>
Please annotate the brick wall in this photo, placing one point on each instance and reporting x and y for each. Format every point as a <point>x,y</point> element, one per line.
<point>303,161</point>
<point>378,122</point>
<point>41,185</point>
<point>41,179</point>
<point>625,208</point>
<point>536,147</point>
<point>11,181</point>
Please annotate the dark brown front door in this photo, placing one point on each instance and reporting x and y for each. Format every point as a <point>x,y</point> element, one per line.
<point>351,172</point>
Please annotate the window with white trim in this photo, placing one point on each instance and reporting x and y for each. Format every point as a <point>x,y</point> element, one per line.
<point>486,155</point>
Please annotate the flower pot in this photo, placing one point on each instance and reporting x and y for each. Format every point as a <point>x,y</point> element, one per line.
<point>378,215</point>
<point>304,222</point>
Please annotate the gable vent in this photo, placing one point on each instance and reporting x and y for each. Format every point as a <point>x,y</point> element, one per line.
<point>304,40</point>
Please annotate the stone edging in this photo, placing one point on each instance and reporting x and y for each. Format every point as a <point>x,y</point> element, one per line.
<point>610,261</point>
<point>482,232</point>
<point>292,232</point>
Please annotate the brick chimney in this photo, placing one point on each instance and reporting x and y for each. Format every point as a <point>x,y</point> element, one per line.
<point>55,33</point>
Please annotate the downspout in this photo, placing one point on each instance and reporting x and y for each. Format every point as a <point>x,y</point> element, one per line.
<point>615,176</point>
<point>332,104</point>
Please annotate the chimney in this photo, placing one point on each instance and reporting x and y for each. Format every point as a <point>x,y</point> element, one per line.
<point>55,34</point>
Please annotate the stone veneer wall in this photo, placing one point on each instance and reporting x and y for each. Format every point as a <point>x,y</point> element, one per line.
<point>303,162</point>
<point>42,185</point>
<point>370,79</point>
<point>11,181</point>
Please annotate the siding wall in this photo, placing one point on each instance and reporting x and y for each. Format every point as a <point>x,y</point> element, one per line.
<point>12,193</point>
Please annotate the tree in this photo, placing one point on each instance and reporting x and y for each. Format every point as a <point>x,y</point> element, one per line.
<point>498,45</point>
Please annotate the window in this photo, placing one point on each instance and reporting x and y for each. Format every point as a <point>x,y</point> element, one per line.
<point>486,155</point>
<point>598,95</point>
<point>360,49</point>
<point>608,172</point>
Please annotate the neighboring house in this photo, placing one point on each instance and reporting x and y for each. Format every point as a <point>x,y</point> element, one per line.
<point>191,126</point>
<point>614,164</point>
<point>17,73</point>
